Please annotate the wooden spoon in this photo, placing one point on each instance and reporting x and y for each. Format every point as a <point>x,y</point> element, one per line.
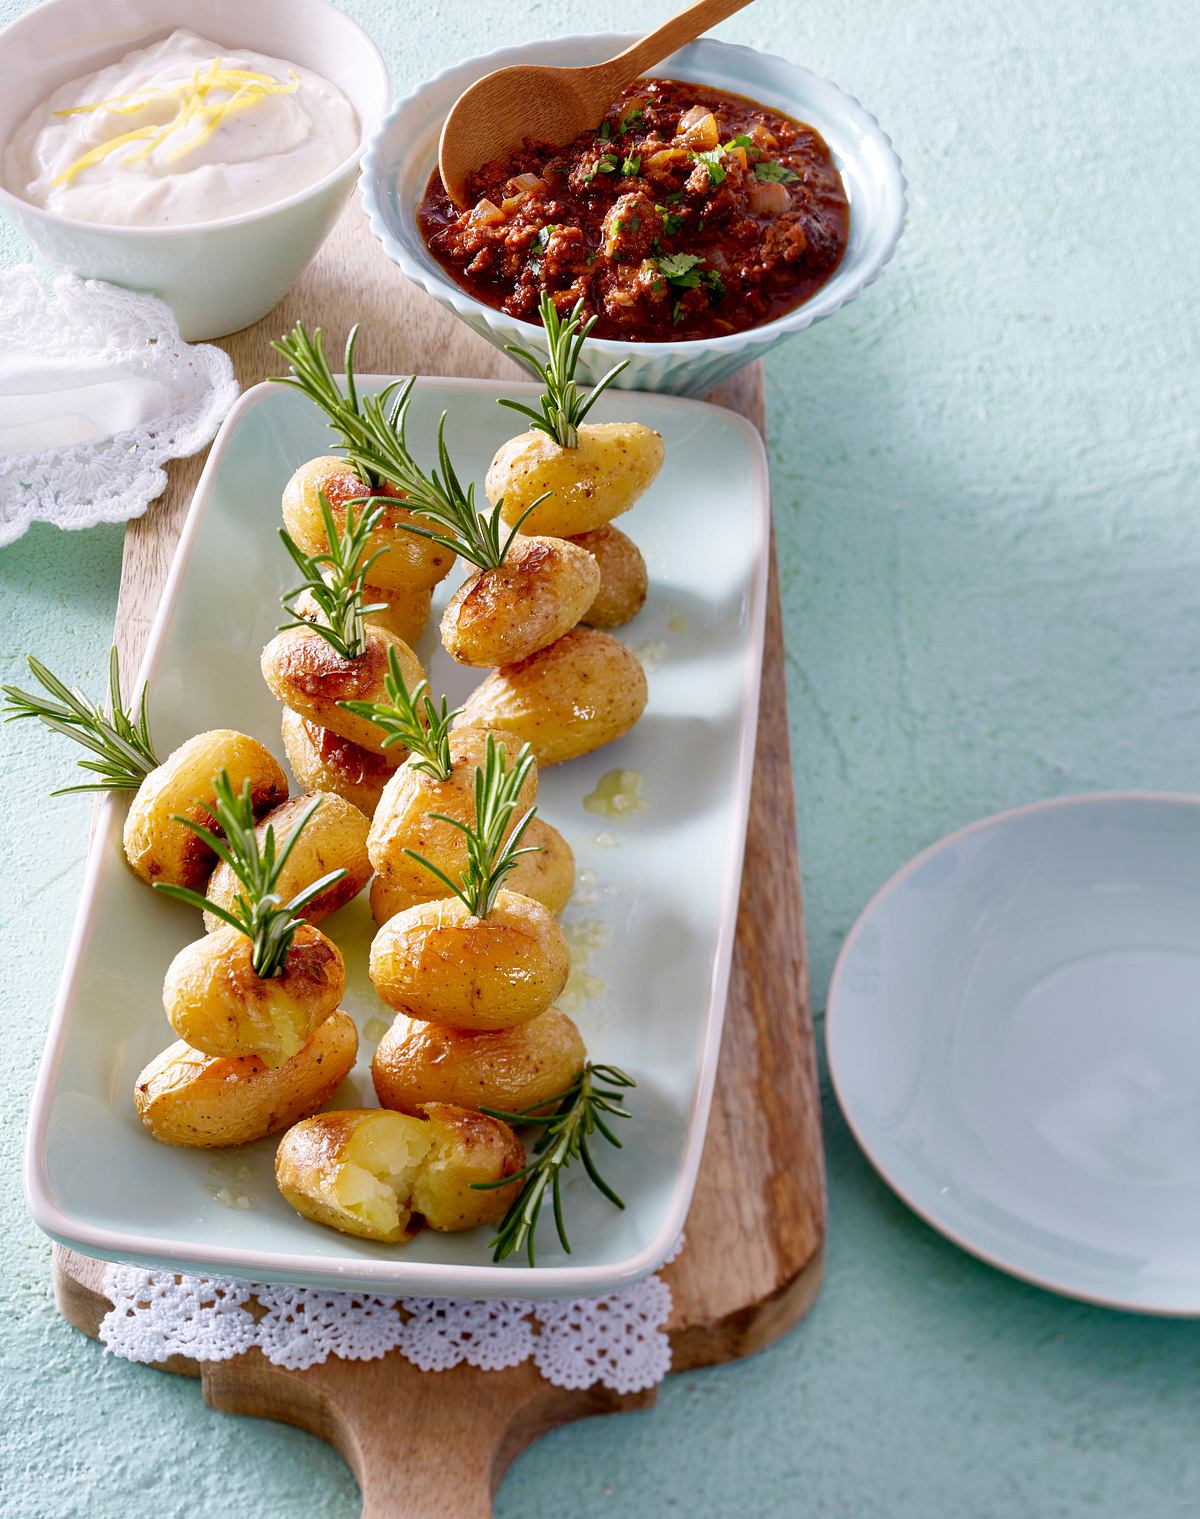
<point>495,116</point>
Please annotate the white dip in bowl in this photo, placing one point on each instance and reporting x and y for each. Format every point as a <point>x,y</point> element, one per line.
<point>183,131</point>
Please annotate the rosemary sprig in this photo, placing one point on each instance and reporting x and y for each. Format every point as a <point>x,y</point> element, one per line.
<point>258,911</point>
<point>121,740</point>
<point>562,407</point>
<point>335,580</point>
<point>564,1138</point>
<point>410,718</point>
<point>312,377</point>
<point>490,856</point>
<point>468,531</point>
<point>438,495</point>
<point>372,433</point>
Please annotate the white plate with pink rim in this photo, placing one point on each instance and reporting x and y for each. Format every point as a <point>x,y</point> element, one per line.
<point>655,914</point>
<point>1014,1037</point>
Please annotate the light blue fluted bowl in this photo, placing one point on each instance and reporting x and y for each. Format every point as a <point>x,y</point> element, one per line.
<point>403,150</point>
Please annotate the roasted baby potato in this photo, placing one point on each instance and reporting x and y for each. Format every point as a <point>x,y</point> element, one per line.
<point>613,465</point>
<point>513,1069</point>
<point>325,761</point>
<point>411,563</point>
<point>377,1174</point>
<point>623,579</point>
<point>582,692</point>
<point>403,613</point>
<point>215,1002</point>
<point>334,838</point>
<point>404,817</point>
<point>159,848</point>
<point>185,1097</point>
<point>501,615</point>
<point>437,961</point>
<point>547,876</point>
<point>467,1148</point>
<point>308,675</point>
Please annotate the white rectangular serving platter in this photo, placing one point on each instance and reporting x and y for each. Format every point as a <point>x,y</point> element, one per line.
<point>653,917</point>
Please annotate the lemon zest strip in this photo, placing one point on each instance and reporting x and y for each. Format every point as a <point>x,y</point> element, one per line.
<point>246,88</point>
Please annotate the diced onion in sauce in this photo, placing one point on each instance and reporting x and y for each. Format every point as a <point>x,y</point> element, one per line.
<point>699,127</point>
<point>487,213</point>
<point>770,199</point>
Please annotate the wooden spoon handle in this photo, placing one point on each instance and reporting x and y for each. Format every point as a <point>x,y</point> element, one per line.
<point>685,27</point>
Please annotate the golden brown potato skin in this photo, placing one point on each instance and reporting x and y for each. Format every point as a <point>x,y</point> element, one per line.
<point>513,1069</point>
<point>547,876</point>
<point>444,1153</point>
<point>404,613</point>
<point>467,1148</point>
<point>403,819</point>
<point>215,1002</point>
<point>158,848</point>
<point>613,465</point>
<point>185,1097</point>
<point>501,615</point>
<point>308,675</point>
<point>327,762</point>
<point>437,961</point>
<point>411,563</point>
<point>335,838</point>
<point>623,578</point>
<point>581,693</point>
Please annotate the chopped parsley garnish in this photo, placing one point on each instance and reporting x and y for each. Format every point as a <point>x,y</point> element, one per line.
<point>676,313</point>
<point>711,159</point>
<point>672,220</point>
<point>605,131</point>
<point>772,173</point>
<point>674,198</point>
<point>631,165</point>
<point>682,269</point>
<point>631,118</point>
<point>740,140</point>
<point>539,245</point>
<point>716,286</point>
<point>606,165</point>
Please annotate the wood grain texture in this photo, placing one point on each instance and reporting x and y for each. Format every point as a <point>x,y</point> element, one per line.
<point>752,1265</point>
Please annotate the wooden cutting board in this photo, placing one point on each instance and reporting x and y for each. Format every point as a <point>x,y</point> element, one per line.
<point>424,1443</point>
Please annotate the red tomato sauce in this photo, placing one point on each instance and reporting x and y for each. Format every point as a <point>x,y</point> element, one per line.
<point>686,213</point>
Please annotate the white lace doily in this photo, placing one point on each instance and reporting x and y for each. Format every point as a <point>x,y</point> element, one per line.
<point>97,392</point>
<point>618,1341</point>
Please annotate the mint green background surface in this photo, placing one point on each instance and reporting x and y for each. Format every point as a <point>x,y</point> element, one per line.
<point>985,489</point>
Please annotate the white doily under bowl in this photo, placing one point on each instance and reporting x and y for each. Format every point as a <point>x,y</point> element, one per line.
<point>618,1341</point>
<point>97,392</point>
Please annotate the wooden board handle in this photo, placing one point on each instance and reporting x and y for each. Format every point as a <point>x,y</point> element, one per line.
<point>422,1445</point>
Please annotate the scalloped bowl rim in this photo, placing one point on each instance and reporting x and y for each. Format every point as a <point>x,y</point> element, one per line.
<point>428,276</point>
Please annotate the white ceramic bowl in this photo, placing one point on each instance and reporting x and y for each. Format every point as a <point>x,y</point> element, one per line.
<point>403,151</point>
<point>221,275</point>
<point>1012,1037</point>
